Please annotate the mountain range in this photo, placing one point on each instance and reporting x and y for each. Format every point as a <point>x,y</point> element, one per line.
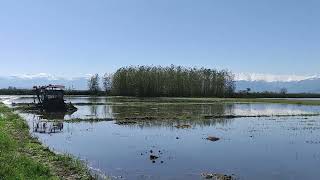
<point>28,81</point>
<point>256,82</point>
<point>302,86</point>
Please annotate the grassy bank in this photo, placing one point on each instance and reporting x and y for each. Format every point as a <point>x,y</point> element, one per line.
<point>24,157</point>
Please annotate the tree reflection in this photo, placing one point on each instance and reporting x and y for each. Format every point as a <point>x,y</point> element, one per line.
<point>49,122</point>
<point>47,127</point>
<point>172,115</point>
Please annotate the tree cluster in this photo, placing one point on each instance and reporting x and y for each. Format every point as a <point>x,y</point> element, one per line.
<point>172,81</point>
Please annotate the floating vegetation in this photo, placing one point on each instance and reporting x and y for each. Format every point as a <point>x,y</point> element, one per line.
<point>153,157</point>
<point>34,108</point>
<point>256,116</point>
<point>216,176</point>
<point>90,104</point>
<point>313,142</point>
<point>183,126</point>
<point>89,119</point>
<point>141,118</point>
<point>126,122</point>
<point>212,138</point>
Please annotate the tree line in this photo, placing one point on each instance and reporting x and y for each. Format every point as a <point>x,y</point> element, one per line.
<point>17,91</point>
<point>172,81</point>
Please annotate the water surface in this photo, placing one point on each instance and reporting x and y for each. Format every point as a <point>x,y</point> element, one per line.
<point>250,148</point>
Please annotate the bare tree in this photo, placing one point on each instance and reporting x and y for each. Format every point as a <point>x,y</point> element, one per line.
<point>283,91</point>
<point>93,84</point>
<point>107,82</point>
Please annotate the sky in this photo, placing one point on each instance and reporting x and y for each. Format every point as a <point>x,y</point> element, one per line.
<point>77,37</point>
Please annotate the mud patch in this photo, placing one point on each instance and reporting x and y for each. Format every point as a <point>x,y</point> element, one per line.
<point>126,122</point>
<point>258,116</point>
<point>154,155</point>
<point>141,118</point>
<point>212,138</point>
<point>183,126</point>
<point>216,176</point>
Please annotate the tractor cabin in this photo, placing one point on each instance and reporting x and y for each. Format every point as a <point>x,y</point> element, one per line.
<point>50,98</point>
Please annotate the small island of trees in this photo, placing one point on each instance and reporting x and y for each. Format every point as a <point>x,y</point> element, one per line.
<point>158,81</point>
<point>173,81</point>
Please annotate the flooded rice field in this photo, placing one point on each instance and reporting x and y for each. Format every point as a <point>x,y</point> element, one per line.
<point>160,138</point>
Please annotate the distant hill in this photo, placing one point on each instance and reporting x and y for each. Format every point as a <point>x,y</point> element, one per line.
<point>311,85</point>
<point>79,83</point>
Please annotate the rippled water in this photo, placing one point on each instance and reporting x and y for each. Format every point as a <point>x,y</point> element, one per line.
<point>249,147</point>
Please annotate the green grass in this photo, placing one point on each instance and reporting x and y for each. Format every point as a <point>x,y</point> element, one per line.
<point>23,157</point>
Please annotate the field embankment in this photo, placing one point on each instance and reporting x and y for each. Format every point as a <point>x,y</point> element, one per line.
<point>24,157</point>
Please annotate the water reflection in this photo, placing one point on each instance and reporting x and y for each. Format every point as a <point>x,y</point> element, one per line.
<point>48,122</point>
<point>176,110</point>
<point>40,125</point>
<point>171,115</point>
<point>173,124</point>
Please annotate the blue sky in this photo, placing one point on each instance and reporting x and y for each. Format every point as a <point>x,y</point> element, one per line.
<point>77,37</point>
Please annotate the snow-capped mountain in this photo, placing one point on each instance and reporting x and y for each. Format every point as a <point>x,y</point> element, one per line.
<point>28,81</point>
<point>293,83</point>
<point>272,77</point>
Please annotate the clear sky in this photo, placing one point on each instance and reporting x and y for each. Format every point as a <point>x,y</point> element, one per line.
<point>77,37</point>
